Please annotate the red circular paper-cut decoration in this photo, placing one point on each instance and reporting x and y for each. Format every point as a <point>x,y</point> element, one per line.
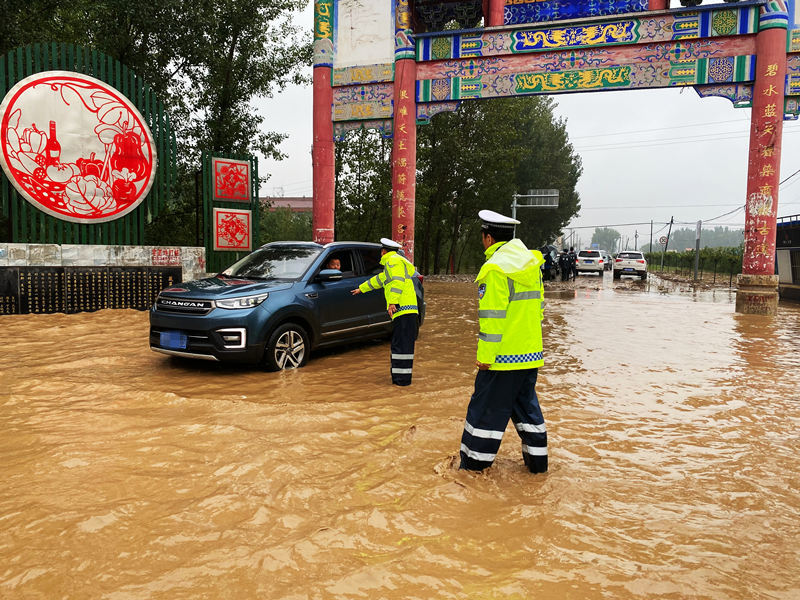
<point>75,147</point>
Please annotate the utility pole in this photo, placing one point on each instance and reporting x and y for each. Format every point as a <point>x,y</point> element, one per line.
<point>697,248</point>
<point>669,231</point>
<point>651,236</point>
<point>636,239</point>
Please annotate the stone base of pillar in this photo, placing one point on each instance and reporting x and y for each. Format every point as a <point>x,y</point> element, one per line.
<point>757,295</point>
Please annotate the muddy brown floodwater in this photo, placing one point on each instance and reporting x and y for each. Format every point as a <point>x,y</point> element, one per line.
<point>673,427</point>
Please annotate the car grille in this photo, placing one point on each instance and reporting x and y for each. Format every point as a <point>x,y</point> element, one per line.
<point>184,306</point>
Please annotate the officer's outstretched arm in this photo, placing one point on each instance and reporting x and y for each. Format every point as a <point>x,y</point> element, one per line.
<point>492,309</point>
<point>374,283</point>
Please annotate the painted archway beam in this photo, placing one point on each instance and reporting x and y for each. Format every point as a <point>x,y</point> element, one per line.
<point>649,50</point>
<point>719,20</point>
<point>667,64</point>
<point>711,47</point>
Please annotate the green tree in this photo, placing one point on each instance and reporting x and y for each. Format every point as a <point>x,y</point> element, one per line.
<point>475,158</point>
<point>606,238</point>
<point>283,224</point>
<point>718,237</point>
<point>363,186</point>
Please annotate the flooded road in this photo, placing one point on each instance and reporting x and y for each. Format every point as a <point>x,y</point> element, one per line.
<point>673,428</point>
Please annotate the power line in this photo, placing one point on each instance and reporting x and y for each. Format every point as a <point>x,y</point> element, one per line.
<point>582,137</point>
<point>789,177</point>
<point>656,206</point>
<point>669,141</point>
<point>616,225</point>
<point>742,207</point>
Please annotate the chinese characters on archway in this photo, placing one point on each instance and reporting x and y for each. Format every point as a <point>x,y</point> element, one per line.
<point>761,205</point>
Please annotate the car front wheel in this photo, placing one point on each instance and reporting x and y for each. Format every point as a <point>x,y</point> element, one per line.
<point>288,348</point>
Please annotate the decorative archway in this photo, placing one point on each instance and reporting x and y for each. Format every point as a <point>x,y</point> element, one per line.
<point>739,51</point>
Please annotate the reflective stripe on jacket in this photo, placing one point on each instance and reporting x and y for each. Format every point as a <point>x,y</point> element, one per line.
<point>397,282</point>
<point>510,307</point>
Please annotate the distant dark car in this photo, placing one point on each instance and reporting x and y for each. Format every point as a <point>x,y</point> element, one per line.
<point>608,262</point>
<point>276,305</point>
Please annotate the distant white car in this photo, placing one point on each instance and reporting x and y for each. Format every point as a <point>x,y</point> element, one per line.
<point>590,261</point>
<point>630,262</point>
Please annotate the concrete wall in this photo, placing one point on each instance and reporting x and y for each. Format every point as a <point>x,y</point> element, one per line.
<point>191,260</point>
<point>784,266</point>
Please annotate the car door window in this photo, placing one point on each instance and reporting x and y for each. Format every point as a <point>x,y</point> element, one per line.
<point>345,261</point>
<point>371,259</point>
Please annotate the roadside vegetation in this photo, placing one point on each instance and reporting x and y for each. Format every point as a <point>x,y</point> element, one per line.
<point>716,265</point>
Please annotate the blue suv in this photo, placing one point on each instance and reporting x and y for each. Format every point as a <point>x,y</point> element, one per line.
<point>275,305</point>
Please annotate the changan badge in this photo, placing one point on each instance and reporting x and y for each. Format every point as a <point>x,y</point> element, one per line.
<point>75,147</point>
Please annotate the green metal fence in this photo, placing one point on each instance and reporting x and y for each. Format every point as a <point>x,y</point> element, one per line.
<point>30,225</point>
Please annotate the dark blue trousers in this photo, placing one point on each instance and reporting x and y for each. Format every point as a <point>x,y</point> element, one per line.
<point>404,336</point>
<point>498,397</point>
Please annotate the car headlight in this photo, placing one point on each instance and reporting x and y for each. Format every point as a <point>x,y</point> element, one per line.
<point>243,302</point>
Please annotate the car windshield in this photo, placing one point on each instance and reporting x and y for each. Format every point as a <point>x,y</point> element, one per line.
<point>589,253</point>
<point>630,255</point>
<point>277,262</point>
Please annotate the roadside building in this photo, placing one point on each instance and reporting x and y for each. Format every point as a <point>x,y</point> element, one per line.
<point>788,257</point>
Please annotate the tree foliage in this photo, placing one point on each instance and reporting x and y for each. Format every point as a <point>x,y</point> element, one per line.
<point>363,186</point>
<point>711,260</point>
<point>605,238</point>
<point>284,224</point>
<point>473,159</point>
<point>719,237</point>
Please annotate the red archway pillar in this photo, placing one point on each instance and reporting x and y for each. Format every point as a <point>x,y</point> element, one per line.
<point>493,12</point>
<point>658,4</point>
<point>758,285</point>
<point>322,150</point>
<point>404,143</point>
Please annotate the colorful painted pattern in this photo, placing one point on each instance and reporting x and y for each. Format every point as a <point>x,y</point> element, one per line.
<point>588,58</point>
<point>662,28</point>
<point>520,12</point>
<point>794,40</point>
<point>363,74</point>
<point>370,102</point>
<point>341,129</point>
<point>403,38</point>
<point>323,33</point>
<point>710,48</point>
<point>793,75</point>
<point>637,75</point>
<point>741,95</point>
<point>425,112</point>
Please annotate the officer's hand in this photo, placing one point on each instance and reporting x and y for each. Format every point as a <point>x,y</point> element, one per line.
<point>355,292</point>
<point>392,309</point>
<point>482,366</point>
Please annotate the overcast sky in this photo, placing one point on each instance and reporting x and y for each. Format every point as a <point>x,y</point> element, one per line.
<point>647,155</point>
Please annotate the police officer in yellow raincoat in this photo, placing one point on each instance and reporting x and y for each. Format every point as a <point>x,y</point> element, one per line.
<point>401,303</point>
<point>510,313</point>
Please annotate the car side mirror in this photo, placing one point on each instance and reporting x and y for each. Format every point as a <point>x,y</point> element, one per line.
<point>329,275</point>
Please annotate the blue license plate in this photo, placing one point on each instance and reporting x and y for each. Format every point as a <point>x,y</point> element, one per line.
<point>174,340</point>
<point>628,269</point>
<point>588,262</point>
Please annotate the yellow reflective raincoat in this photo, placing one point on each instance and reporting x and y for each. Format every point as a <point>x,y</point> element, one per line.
<point>396,279</point>
<point>510,309</point>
